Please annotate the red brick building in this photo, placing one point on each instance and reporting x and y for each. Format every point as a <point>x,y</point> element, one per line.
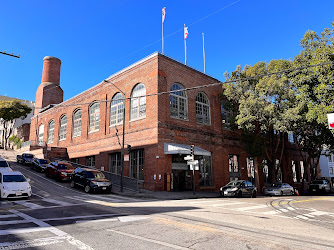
<point>160,128</point>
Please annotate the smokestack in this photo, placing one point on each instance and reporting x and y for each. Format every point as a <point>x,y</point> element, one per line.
<point>49,91</point>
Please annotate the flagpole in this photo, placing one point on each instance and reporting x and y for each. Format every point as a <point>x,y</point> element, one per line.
<point>185,46</point>
<point>163,39</point>
<point>204,53</point>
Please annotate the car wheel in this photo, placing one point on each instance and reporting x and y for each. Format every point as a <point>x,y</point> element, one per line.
<point>222,194</point>
<point>254,194</point>
<point>281,192</point>
<point>47,173</point>
<point>292,192</point>
<point>58,178</point>
<point>72,184</point>
<point>239,194</point>
<point>87,188</point>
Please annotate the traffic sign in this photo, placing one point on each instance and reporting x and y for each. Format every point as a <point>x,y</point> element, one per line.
<point>195,162</point>
<point>188,158</point>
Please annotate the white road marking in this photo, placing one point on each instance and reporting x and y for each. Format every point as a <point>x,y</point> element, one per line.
<point>44,226</point>
<point>7,216</point>
<point>10,222</point>
<point>290,208</point>
<point>319,213</point>
<point>22,231</point>
<point>309,215</point>
<point>150,240</point>
<point>249,208</point>
<point>271,212</point>
<point>100,220</point>
<point>284,210</point>
<point>302,217</point>
<point>29,204</point>
<point>62,203</point>
<point>132,218</point>
<point>82,217</point>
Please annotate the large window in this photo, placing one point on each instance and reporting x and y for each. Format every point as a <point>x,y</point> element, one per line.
<point>94,117</point>
<point>250,169</point>
<point>63,128</point>
<point>40,134</point>
<point>90,161</point>
<point>202,109</point>
<point>138,104</point>
<point>226,116</point>
<point>77,123</point>
<point>205,171</point>
<point>137,164</point>
<point>115,163</point>
<point>116,109</point>
<point>178,102</point>
<point>51,131</point>
<point>233,166</point>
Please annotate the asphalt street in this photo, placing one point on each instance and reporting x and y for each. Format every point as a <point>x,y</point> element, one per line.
<point>58,216</point>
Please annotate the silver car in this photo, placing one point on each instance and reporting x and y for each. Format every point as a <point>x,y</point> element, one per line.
<point>279,189</point>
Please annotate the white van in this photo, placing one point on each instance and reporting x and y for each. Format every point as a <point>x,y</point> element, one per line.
<point>4,166</point>
<point>14,184</point>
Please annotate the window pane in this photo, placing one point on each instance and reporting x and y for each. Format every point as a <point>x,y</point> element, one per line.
<point>94,117</point>
<point>77,123</point>
<point>51,132</point>
<point>63,128</point>
<point>178,102</point>
<point>138,105</point>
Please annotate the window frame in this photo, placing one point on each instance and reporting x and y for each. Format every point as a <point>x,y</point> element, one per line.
<point>177,98</point>
<point>139,111</point>
<point>50,129</point>
<point>77,123</point>
<point>116,103</point>
<point>200,106</point>
<point>62,128</point>
<point>94,123</point>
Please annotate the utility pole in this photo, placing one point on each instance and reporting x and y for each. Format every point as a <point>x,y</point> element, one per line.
<point>11,54</point>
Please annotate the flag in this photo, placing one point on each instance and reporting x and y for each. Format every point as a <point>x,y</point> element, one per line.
<point>163,14</point>
<point>185,32</point>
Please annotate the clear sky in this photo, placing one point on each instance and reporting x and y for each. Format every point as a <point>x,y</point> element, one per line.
<point>95,39</point>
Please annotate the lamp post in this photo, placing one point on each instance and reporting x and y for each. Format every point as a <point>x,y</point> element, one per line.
<point>122,160</point>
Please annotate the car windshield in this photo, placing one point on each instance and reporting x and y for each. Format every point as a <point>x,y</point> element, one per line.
<point>3,164</point>
<point>29,156</point>
<point>277,185</point>
<point>14,178</point>
<point>43,162</point>
<point>234,183</point>
<point>65,166</point>
<point>95,175</point>
<point>318,182</point>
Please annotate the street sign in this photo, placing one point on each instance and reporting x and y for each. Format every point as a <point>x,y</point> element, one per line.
<point>195,162</point>
<point>194,167</point>
<point>330,120</point>
<point>188,158</point>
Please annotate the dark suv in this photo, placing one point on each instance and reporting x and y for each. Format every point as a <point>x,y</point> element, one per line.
<point>90,180</point>
<point>40,164</point>
<point>238,188</point>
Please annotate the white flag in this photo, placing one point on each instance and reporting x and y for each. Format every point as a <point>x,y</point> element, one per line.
<point>163,14</point>
<point>185,32</point>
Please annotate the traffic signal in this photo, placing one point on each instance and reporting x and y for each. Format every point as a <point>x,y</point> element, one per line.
<point>129,149</point>
<point>192,150</point>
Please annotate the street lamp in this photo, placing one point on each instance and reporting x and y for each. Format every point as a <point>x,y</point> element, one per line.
<point>122,161</point>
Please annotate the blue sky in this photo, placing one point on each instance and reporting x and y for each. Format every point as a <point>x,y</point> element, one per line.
<point>95,39</point>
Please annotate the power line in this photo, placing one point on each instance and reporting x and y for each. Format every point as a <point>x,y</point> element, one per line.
<point>198,87</point>
<point>11,54</point>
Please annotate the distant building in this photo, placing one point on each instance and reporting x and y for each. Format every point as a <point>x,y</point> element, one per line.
<point>326,164</point>
<point>159,127</point>
<point>21,126</point>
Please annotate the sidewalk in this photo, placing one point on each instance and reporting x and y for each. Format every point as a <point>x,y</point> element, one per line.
<point>9,155</point>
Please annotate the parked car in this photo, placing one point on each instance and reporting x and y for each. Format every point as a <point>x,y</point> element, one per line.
<point>279,189</point>
<point>39,164</point>
<point>61,171</point>
<point>14,185</point>
<point>238,188</point>
<point>319,186</point>
<point>4,166</point>
<point>25,159</point>
<point>90,180</point>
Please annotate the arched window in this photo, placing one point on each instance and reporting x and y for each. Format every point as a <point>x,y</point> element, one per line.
<point>178,102</point>
<point>94,117</point>
<point>202,108</point>
<point>116,109</point>
<point>40,134</point>
<point>63,128</point>
<point>51,132</point>
<point>138,104</point>
<point>77,116</point>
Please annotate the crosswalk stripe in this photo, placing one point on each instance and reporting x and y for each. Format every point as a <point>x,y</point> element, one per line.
<point>4,216</point>
<point>11,222</point>
<point>63,203</point>
<point>29,204</point>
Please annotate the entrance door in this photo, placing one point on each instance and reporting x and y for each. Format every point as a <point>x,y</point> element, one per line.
<point>182,180</point>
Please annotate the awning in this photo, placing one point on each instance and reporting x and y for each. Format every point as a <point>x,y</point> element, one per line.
<point>173,148</point>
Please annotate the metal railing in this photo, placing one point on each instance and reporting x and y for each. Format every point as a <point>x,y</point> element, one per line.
<point>128,182</point>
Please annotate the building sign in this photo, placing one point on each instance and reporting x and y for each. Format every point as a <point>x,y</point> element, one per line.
<point>330,120</point>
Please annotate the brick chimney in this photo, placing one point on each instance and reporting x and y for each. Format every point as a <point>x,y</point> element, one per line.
<point>49,91</point>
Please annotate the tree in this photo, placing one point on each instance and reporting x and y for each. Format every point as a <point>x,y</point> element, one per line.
<point>9,111</point>
<point>315,94</point>
<point>264,103</point>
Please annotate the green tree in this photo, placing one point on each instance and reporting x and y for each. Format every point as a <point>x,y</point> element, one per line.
<point>315,94</point>
<point>9,111</point>
<point>264,103</point>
